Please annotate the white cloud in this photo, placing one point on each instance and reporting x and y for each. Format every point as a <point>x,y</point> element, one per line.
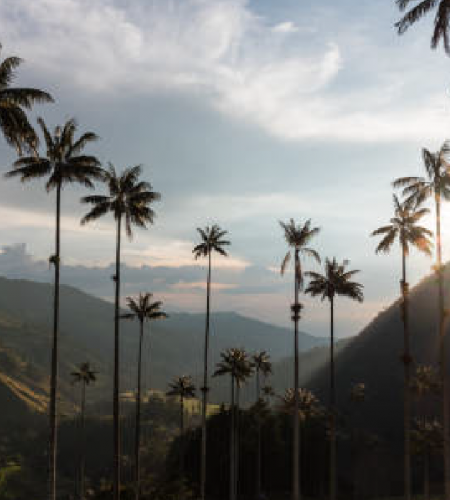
<point>222,50</point>
<point>286,27</point>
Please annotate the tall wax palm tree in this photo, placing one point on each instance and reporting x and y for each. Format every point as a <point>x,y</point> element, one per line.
<point>427,439</point>
<point>298,237</point>
<point>144,310</point>
<point>84,376</point>
<point>336,281</point>
<point>211,240</point>
<point>14,102</point>
<point>183,388</point>
<point>419,9</point>
<point>62,164</point>
<point>435,184</point>
<point>236,363</point>
<point>129,200</point>
<point>262,364</point>
<point>404,228</point>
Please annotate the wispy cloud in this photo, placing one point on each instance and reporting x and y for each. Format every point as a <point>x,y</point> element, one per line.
<point>219,49</point>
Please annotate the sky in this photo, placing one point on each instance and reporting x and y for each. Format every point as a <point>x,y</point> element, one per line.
<point>243,113</point>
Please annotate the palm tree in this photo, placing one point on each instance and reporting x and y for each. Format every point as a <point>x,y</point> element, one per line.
<point>436,184</point>
<point>84,376</point>
<point>142,309</point>
<point>211,241</point>
<point>14,124</point>
<point>129,200</point>
<point>63,164</point>
<point>308,404</point>
<point>236,363</point>
<point>262,364</point>
<point>404,228</point>
<point>421,9</point>
<point>336,281</point>
<point>183,388</point>
<point>427,438</point>
<point>298,238</point>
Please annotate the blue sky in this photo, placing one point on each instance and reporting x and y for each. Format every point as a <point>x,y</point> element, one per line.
<point>242,113</point>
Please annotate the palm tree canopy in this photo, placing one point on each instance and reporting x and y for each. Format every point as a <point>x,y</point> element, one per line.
<point>63,162</point>
<point>419,9</point>
<point>14,101</point>
<point>437,180</point>
<point>308,404</point>
<point>211,241</point>
<point>358,392</point>
<point>427,436</point>
<point>182,386</point>
<point>261,362</point>
<point>335,281</point>
<point>426,381</point>
<point>403,226</point>
<point>235,362</point>
<point>143,309</point>
<point>127,197</point>
<point>298,238</point>
<point>84,374</point>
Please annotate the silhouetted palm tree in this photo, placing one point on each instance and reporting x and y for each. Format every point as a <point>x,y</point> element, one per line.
<point>14,124</point>
<point>335,281</point>
<point>182,387</point>
<point>211,241</point>
<point>84,376</point>
<point>63,164</point>
<point>421,9</point>
<point>298,239</point>
<point>404,228</point>
<point>262,364</point>
<point>142,309</point>
<point>129,200</point>
<point>426,438</point>
<point>436,184</point>
<point>236,363</point>
<point>308,404</point>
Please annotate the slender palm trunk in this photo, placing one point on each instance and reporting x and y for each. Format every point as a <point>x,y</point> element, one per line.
<point>333,475</point>
<point>426,476</point>
<point>83,438</point>
<point>54,368</point>
<point>137,442</point>
<point>181,435</point>
<point>442,351</point>
<point>232,442</point>
<point>296,494</point>
<point>236,444</point>
<point>258,430</point>
<point>205,384</point>
<point>407,376</point>
<point>116,403</point>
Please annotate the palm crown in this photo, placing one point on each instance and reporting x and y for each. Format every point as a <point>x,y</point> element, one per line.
<point>422,8</point>
<point>84,374</point>
<point>261,362</point>
<point>308,404</point>
<point>335,281</point>
<point>63,162</point>
<point>298,238</point>
<point>404,227</point>
<point>211,241</point>
<point>128,197</point>
<point>143,309</point>
<point>13,102</point>
<point>437,180</point>
<point>235,362</point>
<point>182,387</point>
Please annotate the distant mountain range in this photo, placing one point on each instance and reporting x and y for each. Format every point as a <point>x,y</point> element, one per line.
<point>172,347</point>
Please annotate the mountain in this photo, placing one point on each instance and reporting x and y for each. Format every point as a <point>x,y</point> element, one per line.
<point>373,357</point>
<point>172,347</point>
